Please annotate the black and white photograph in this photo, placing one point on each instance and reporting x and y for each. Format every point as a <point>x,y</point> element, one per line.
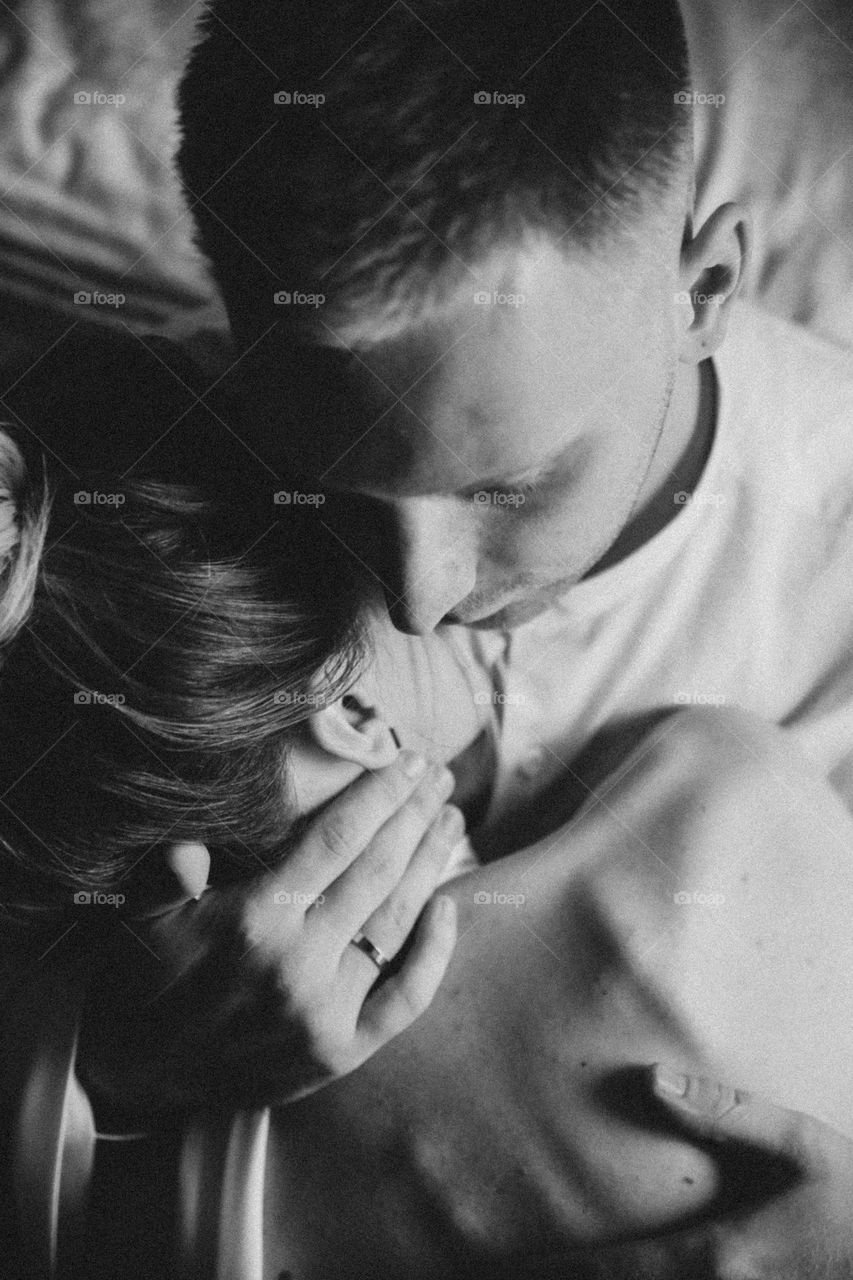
<point>426,640</point>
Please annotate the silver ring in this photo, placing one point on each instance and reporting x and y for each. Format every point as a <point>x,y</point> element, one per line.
<point>373,953</point>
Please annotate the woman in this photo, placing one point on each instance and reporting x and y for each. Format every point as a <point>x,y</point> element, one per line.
<point>224,701</point>
<point>180,663</point>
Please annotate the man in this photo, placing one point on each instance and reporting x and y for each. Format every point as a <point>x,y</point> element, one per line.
<point>509,376</point>
<point>459,247</point>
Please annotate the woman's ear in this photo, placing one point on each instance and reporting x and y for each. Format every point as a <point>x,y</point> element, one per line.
<point>352,729</point>
<point>713,261</point>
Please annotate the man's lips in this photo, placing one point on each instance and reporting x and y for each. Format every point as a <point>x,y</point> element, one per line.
<point>454,619</point>
<point>495,616</point>
<point>512,611</point>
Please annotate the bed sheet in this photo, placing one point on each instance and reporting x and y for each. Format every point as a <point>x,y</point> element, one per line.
<point>90,203</point>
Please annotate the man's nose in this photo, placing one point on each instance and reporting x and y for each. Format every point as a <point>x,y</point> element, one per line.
<point>436,561</point>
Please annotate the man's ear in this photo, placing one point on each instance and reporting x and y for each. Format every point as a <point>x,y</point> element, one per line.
<point>713,261</point>
<point>351,729</point>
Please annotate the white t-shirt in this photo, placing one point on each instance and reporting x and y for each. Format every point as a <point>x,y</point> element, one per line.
<point>744,598</point>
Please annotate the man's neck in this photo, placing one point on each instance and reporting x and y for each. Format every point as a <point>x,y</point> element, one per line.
<point>678,463</point>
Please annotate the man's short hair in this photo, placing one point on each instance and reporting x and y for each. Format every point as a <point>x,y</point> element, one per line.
<point>370,154</point>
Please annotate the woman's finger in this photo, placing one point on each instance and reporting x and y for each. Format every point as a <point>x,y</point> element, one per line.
<point>366,883</point>
<point>392,922</point>
<point>346,827</point>
<point>404,997</point>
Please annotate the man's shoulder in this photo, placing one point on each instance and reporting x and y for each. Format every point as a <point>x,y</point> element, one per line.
<point>787,415</point>
<point>775,356</point>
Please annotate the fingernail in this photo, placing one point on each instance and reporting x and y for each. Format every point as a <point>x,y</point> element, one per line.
<point>444,781</point>
<point>412,764</point>
<point>451,822</point>
<point>670,1083</point>
<point>444,907</point>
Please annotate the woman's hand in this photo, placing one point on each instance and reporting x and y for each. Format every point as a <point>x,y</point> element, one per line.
<point>258,989</point>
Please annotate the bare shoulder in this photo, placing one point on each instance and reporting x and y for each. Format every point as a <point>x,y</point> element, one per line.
<point>724,871</point>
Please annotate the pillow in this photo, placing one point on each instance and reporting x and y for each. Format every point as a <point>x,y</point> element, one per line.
<point>93,222</point>
<point>782,141</point>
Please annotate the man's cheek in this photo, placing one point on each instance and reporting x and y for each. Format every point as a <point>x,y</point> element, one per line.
<point>515,539</point>
<point>547,534</point>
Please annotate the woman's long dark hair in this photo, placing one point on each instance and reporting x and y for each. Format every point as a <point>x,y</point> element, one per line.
<point>174,630</point>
